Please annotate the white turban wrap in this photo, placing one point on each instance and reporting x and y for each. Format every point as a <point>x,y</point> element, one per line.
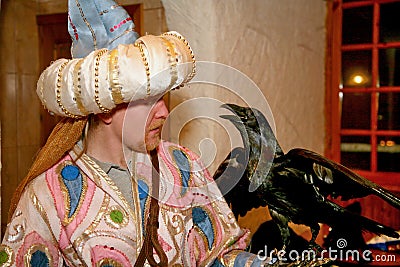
<point>105,78</point>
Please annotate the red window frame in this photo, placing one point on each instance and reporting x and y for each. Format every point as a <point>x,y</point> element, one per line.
<point>390,180</point>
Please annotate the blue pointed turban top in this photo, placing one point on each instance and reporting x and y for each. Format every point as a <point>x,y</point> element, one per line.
<point>96,24</point>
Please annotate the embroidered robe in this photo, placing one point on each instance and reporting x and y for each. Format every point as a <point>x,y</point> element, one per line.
<point>74,215</point>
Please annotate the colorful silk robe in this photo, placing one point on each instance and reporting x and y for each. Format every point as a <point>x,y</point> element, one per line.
<point>74,215</point>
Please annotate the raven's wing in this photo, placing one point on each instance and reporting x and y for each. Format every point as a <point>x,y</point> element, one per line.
<point>300,185</point>
<point>337,180</point>
<point>232,179</point>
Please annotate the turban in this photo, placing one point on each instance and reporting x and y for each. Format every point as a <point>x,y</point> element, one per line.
<point>109,64</point>
<point>105,78</point>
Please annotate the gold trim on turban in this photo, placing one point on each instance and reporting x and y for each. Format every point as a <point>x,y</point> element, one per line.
<point>105,78</point>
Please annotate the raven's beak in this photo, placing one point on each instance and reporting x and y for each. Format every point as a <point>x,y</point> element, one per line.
<point>234,109</point>
<point>228,107</point>
<point>232,118</point>
<point>240,111</point>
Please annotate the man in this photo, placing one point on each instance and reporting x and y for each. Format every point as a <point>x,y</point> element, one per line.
<point>137,125</point>
<point>94,196</point>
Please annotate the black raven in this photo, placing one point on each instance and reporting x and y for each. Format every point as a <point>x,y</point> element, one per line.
<point>296,186</point>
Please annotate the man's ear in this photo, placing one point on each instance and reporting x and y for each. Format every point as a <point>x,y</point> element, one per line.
<point>106,118</point>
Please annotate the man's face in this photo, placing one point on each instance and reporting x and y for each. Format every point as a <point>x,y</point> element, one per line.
<point>142,124</point>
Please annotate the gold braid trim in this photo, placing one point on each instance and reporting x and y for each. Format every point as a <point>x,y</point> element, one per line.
<point>62,139</point>
<point>113,74</point>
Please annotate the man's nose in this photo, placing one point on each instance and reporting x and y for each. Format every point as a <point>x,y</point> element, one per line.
<point>161,109</point>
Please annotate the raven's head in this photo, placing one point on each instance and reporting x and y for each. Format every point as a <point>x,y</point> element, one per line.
<point>258,137</point>
<point>244,116</point>
<point>253,121</point>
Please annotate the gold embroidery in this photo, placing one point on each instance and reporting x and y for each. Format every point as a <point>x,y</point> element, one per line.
<point>177,223</point>
<point>93,176</point>
<point>250,260</point>
<point>113,74</point>
<point>38,206</point>
<point>229,259</point>
<point>81,240</point>
<point>67,220</point>
<point>119,36</point>
<point>88,24</point>
<point>172,58</point>
<point>108,262</point>
<point>184,212</point>
<point>96,81</point>
<point>17,213</point>
<point>205,238</point>
<point>226,224</point>
<point>175,226</point>
<point>100,214</point>
<point>181,38</point>
<point>58,90</point>
<point>69,252</point>
<point>171,149</point>
<point>139,44</point>
<point>116,217</point>
<point>136,202</point>
<point>77,87</point>
<point>33,249</point>
<point>101,13</point>
<point>78,243</point>
<point>7,256</point>
<point>146,211</point>
<point>19,230</point>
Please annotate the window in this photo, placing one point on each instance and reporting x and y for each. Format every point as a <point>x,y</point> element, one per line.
<point>363,87</point>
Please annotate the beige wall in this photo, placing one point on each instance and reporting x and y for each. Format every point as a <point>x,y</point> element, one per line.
<point>19,71</point>
<point>279,44</point>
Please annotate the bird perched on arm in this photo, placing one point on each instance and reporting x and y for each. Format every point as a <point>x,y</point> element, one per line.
<point>295,186</point>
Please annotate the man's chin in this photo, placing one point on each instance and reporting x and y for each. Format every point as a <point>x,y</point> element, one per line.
<point>143,148</point>
<point>150,145</point>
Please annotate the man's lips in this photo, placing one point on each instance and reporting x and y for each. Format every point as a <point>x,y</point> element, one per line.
<point>155,130</point>
<point>156,126</point>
